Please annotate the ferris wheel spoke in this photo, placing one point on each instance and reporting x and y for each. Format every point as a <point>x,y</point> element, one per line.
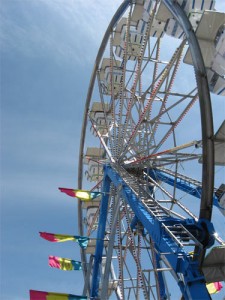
<point>123,80</point>
<point>164,75</point>
<point>167,109</point>
<point>157,55</point>
<point>165,71</point>
<point>105,280</point>
<point>171,154</point>
<point>122,254</point>
<point>136,258</point>
<point>172,200</point>
<point>106,121</point>
<point>174,162</point>
<point>175,158</point>
<point>137,75</point>
<point>155,266</point>
<point>131,279</point>
<point>137,78</point>
<point>122,86</point>
<point>147,60</point>
<point>103,143</point>
<point>169,84</point>
<point>168,133</point>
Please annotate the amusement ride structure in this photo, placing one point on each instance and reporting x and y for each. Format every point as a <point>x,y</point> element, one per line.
<point>148,146</point>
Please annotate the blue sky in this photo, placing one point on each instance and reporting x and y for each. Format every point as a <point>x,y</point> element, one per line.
<point>48,48</point>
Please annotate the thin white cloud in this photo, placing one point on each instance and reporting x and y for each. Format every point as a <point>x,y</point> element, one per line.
<point>66,31</point>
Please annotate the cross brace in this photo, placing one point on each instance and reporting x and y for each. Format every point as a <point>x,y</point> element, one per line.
<point>188,186</point>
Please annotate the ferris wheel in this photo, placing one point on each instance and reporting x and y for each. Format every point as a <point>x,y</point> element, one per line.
<point>148,147</point>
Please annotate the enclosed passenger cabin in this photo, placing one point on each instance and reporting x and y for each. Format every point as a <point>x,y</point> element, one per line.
<point>193,9</point>
<point>219,60</point>
<point>95,170</point>
<point>146,16</point>
<point>110,84</point>
<point>216,74</point>
<point>134,42</point>
<point>140,18</point>
<point>210,34</point>
<point>101,118</point>
<point>157,28</point>
<point>91,208</point>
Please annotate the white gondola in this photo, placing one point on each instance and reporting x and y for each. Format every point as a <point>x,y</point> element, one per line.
<point>95,171</point>
<point>211,38</point>
<point>91,208</point>
<point>100,119</point>
<point>142,10</point>
<point>173,29</point>
<point>134,41</point>
<point>93,153</point>
<point>91,219</point>
<point>218,64</point>
<point>157,28</point>
<point>138,26</point>
<point>106,81</point>
<point>98,107</point>
<point>207,35</point>
<point>193,9</point>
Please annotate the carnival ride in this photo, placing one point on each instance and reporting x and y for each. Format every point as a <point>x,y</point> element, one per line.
<point>147,145</point>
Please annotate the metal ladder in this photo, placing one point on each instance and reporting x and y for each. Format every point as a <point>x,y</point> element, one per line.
<point>182,236</point>
<point>145,197</point>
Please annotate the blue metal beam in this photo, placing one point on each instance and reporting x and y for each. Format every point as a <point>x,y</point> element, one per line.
<point>181,184</point>
<point>100,237</point>
<point>191,282</point>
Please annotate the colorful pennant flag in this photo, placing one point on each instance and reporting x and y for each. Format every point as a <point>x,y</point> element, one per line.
<point>38,295</point>
<point>64,263</point>
<point>52,237</point>
<point>81,194</point>
<point>214,287</point>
